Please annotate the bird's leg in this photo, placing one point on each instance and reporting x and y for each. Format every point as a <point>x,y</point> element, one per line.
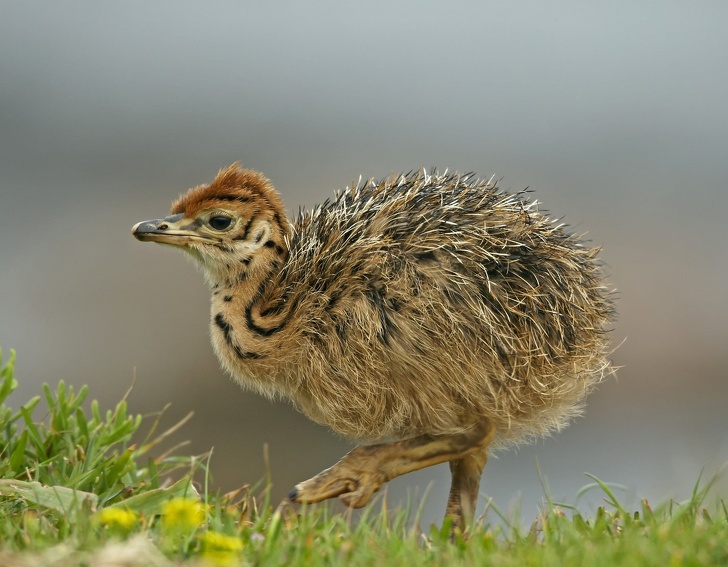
<point>363,471</point>
<point>466,473</point>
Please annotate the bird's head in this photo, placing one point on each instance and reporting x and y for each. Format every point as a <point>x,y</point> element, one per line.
<point>232,226</point>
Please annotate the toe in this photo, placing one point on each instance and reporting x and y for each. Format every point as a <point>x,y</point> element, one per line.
<point>356,499</point>
<point>315,490</point>
<point>361,492</point>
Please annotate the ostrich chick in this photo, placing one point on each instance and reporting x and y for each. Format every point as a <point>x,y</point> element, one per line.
<point>431,317</point>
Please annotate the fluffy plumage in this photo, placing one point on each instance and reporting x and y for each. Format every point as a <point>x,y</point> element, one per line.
<point>428,304</point>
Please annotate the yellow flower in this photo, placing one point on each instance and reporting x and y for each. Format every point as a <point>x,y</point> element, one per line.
<point>220,549</point>
<point>117,518</point>
<point>183,513</point>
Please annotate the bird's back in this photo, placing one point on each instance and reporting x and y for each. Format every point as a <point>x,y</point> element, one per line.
<point>427,302</point>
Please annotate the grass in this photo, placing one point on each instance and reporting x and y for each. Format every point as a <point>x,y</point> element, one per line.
<point>76,490</point>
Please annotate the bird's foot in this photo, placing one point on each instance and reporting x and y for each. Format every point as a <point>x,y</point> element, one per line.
<point>363,471</point>
<point>354,479</point>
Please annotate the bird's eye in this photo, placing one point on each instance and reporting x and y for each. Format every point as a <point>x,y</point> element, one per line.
<point>220,223</point>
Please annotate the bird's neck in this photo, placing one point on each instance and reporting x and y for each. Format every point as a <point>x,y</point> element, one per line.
<point>246,284</point>
<point>248,309</point>
<point>249,304</point>
<point>245,272</point>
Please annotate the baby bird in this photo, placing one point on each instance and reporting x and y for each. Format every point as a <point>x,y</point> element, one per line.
<point>431,317</point>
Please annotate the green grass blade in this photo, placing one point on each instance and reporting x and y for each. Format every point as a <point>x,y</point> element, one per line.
<point>17,457</point>
<point>58,498</point>
<point>8,383</point>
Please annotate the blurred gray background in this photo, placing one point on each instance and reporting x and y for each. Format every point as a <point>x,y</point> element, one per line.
<point>613,113</point>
